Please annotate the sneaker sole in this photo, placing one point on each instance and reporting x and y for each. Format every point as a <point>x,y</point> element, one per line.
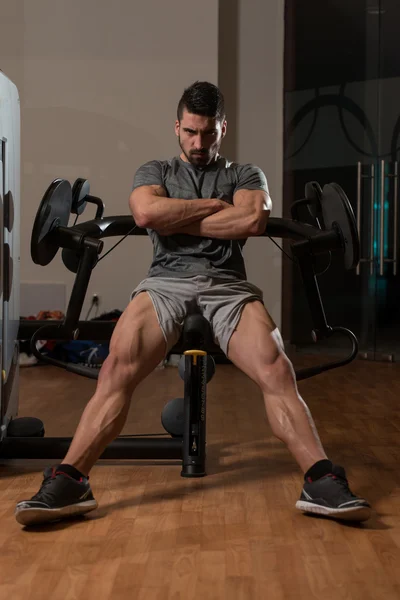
<point>355,513</point>
<point>36,516</point>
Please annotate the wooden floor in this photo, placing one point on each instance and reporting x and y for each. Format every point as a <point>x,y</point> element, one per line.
<point>234,534</point>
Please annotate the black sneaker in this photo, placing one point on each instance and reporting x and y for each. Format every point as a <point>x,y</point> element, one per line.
<point>331,496</point>
<point>60,496</point>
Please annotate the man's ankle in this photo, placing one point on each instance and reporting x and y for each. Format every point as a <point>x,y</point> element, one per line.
<point>71,471</point>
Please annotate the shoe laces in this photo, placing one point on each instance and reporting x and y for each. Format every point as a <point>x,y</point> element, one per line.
<point>44,492</point>
<point>343,483</point>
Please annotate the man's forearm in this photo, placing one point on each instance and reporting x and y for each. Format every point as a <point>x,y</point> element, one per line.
<point>230,224</point>
<point>167,214</point>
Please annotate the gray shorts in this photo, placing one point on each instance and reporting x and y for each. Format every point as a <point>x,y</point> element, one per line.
<point>220,301</point>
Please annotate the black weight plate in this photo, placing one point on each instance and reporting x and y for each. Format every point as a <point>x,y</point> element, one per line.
<point>80,190</point>
<point>8,272</point>
<point>338,214</point>
<point>71,259</point>
<point>53,212</point>
<point>313,194</point>
<point>9,211</point>
<point>172,417</point>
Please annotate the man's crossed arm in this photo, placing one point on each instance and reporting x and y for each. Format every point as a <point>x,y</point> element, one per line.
<point>247,217</point>
<point>212,217</point>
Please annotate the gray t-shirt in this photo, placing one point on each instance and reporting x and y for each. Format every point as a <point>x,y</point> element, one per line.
<point>183,255</point>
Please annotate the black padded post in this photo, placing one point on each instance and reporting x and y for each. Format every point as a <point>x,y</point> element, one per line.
<point>194,433</point>
<point>196,337</point>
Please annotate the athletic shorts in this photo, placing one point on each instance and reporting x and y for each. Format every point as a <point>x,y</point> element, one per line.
<point>220,301</point>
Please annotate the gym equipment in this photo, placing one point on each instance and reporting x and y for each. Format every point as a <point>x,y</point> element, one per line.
<point>333,230</point>
<point>184,419</point>
<point>9,250</point>
<point>210,368</point>
<point>312,201</point>
<point>26,427</point>
<point>82,244</point>
<point>189,445</point>
<point>50,222</point>
<point>338,215</point>
<point>173,415</point>
<point>196,333</point>
<point>81,196</point>
<point>172,418</point>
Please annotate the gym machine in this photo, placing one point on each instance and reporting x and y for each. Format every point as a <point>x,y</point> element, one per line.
<point>9,250</point>
<point>333,230</point>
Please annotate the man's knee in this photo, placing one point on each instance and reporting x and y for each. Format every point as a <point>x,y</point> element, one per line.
<point>277,337</point>
<point>278,376</point>
<point>118,370</point>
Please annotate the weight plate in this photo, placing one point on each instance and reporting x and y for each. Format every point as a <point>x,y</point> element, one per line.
<point>172,417</point>
<point>53,212</point>
<point>313,194</point>
<point>8,272</point>
<point>80,190</point>
<point>338,214</point>
<point>9,211</point>
<point>71,259</point>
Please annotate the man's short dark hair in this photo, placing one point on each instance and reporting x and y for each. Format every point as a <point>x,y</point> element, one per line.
<point>202,98</point>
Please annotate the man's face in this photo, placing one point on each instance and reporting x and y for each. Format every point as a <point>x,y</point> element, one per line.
<point>199,138</point>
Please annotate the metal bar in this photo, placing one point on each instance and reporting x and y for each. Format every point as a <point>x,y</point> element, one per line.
<point>372,263</point>
<point>321,328</point>
<point>79,290</point>
<point>359,209</point>
<point>382,229</point>
<point>317,369</point>
<point>395,217</point>
<point>288,229</point>
<point>123,225</point>
<point>88,330</point>
<point>121,448</point>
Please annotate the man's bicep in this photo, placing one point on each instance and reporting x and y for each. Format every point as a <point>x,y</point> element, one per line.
<point>147,185</point>
<point>150,190</point>
<point>258,202</point>
<point>252,192</point>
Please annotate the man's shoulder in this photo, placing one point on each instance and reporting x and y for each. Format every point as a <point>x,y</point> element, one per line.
<point>152,172</point>
<point>162,166</point>
<point>239,167</point>
<point>156,163</point>
<point>248,176</point>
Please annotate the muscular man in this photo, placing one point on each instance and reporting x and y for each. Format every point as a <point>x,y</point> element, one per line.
<point>199,209</point>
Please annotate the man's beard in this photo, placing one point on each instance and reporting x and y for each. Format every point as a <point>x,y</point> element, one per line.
<point>201,158</point>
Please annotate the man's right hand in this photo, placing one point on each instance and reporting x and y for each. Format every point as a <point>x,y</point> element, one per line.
<point>224,204</point>
<point>152,209</point>
<point>178,228</point>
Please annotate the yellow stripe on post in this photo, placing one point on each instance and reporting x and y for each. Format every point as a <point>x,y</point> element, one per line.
<point>195,354</point>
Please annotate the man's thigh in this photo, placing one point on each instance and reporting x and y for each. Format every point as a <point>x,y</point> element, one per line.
<point>222,302</point>
<point>173,299</point>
